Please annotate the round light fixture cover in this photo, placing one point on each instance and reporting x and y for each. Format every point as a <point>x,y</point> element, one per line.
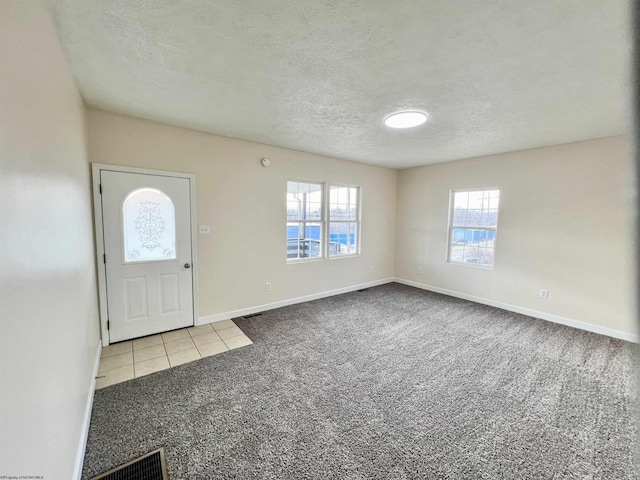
<point>405,119</point>
<point>265,162</point>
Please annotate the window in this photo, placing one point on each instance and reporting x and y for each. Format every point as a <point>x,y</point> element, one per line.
<point>149,226</point>
<point>344,220</point>
<point>305,219</point>
<point>473,223</point>
<point>319,221</point>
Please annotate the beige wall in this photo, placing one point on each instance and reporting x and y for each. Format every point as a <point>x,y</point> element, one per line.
<point>564,225</point>
<point>245,205</point>
<point>48,313</point>
<point>565,220</point>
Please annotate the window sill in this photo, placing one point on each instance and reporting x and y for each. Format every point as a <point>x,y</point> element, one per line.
<point>293,261</point>
<point>472,265</point>
<point>351,255</point>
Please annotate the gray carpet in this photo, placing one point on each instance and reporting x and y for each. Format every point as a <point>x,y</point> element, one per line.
<point>389,383</point>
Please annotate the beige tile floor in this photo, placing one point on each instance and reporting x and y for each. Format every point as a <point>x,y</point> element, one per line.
<point>135,358</point>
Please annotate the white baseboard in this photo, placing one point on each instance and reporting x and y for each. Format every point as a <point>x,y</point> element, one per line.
<point>218,317</point>
<point>610,332</point>
<point>87,416</point>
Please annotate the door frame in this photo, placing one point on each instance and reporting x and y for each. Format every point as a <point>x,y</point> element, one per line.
<point>96,168</point>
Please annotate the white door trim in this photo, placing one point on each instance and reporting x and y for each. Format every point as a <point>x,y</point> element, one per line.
<point>96,168</point>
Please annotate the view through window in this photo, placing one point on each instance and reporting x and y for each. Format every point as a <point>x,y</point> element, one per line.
<point>316,223</point>
<point>473,226</point>
<point>304,220</point>
<point>344,220</point>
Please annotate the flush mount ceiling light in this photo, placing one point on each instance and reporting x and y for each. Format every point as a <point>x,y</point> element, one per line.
<point>406,119</point>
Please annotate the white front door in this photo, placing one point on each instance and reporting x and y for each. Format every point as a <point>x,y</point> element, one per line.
<point>146,222</point>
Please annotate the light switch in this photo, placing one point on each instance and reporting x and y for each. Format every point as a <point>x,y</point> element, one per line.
<point>204,229</point>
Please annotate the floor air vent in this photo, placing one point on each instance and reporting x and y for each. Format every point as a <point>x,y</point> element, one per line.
<point>362,290</point>
<point>253,315</point>
<point>151,466</point>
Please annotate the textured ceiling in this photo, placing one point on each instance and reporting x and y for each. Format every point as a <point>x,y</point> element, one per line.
<point>320,75</point>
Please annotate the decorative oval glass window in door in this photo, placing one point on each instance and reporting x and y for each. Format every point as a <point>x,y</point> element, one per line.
<point>149,226</point>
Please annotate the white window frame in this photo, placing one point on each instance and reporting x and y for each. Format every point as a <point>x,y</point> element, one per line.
<point>322,222</point>
<point>325,222</point>
<point>452,194</point>
<point>357,221</point>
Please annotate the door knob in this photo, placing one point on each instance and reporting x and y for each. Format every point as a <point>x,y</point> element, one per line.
<point>186,265</point>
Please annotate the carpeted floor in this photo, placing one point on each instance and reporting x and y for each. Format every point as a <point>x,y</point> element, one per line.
<point>389,383</point>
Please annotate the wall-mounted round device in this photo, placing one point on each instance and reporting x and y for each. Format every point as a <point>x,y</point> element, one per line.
<point>265,162</point>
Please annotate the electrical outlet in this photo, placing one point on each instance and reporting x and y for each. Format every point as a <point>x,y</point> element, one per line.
<point>267,286</point>
<point>544,293</point>
<point>204,229</point>
<point>420,270</point>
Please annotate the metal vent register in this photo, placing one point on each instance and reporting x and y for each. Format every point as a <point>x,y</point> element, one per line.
<point>151,466</point>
